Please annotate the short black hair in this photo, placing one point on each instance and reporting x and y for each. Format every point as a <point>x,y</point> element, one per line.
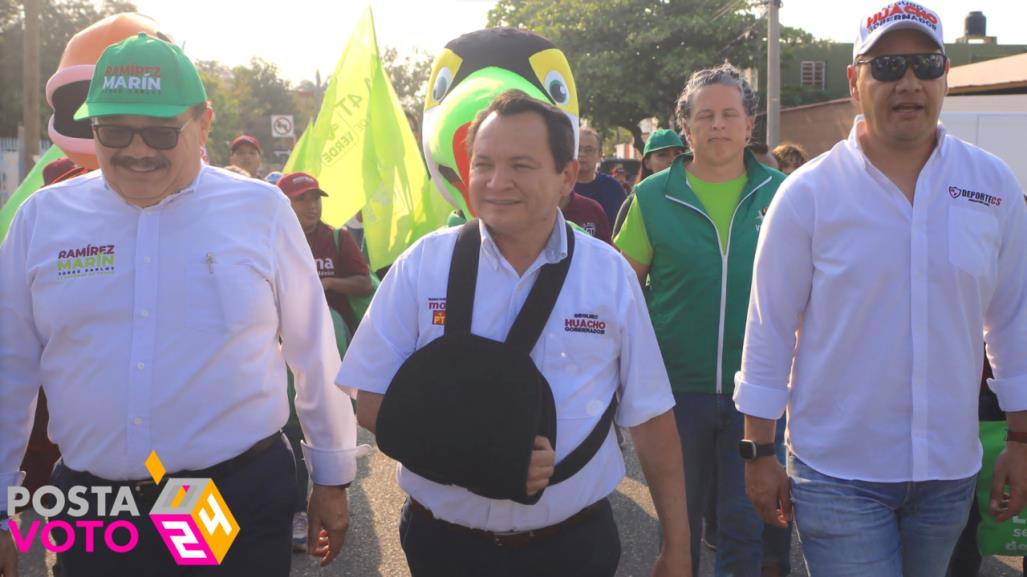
<point>558,126</point>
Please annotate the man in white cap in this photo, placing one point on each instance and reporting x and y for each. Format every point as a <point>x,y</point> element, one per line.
<point>883,269</point>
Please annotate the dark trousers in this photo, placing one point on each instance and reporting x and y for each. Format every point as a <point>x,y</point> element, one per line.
<point>590,548</point>
<point>261,494</point>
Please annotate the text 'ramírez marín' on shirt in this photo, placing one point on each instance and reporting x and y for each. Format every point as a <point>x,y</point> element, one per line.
<point>86,261</point>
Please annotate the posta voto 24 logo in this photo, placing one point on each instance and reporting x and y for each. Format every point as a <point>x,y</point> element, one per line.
<point>190,515</point>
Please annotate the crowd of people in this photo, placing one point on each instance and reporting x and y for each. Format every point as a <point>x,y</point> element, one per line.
<point>788,341</point>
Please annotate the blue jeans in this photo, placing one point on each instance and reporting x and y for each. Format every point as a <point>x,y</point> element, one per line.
<point>862,528</point>
<point>710,428</point>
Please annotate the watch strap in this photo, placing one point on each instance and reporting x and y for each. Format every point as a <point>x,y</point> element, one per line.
<point>761,450</point>
<point>1016,436</point>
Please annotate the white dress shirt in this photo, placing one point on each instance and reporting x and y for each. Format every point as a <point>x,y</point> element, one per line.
<point>159,328</point>
<point>584,367</point>
<point>889,300</point>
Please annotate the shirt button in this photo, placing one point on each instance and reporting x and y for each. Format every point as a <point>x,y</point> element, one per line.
<point>140,366</point>
<point>144,313</point>
<point>137,421</point>
<point>146,259</point>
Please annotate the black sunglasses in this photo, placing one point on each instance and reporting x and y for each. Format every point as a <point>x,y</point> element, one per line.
<point>893,66</point>
<point>156,137</point>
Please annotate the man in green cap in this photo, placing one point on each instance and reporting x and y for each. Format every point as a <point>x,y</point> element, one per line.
<point>692,231</point>
<point>662,147</point>
<point>157,302</point>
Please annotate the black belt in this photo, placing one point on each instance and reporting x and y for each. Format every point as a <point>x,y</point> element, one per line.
<point>521,539</point>
<point>147,490</point>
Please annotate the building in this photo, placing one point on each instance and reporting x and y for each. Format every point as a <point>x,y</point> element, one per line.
<point>817,71</point>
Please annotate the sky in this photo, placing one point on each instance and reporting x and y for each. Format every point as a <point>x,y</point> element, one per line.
<point>304,36</point>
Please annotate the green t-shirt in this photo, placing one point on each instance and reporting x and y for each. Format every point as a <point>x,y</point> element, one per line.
<point>632,239</point>
<point>718,198</point>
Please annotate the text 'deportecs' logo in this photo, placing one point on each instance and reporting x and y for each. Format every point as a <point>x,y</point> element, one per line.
<point>192,518</point>
<point>974,196</point>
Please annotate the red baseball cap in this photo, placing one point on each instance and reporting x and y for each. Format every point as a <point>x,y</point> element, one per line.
<point>245,139</point>
<point>60,170</point>
<point>297,183</point>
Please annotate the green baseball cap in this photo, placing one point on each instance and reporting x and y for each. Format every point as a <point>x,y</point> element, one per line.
<point>662,138</point>
<point>142,76</point>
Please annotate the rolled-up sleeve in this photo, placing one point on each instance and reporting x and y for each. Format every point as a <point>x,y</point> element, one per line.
<point>20,350</point>
<point>781,284</point>
<point>1005,320</point>
<point>308,344</point>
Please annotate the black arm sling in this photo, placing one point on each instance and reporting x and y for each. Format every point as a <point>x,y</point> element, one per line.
<point>465,410</point>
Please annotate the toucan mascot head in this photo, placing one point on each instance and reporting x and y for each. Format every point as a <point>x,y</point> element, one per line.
<point>66,90</point>
<point>469,73</point>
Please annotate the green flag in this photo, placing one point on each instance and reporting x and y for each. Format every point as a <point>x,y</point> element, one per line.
<point>369,159</point>
<point>302,158</point>
<point>32,183</point>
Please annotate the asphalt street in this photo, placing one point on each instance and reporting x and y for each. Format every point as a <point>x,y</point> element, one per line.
<point>372,547</point>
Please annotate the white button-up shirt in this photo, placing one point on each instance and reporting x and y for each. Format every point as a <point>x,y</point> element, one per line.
<point>159,328</point>
<point>584,367</point>
<point>889,300</point>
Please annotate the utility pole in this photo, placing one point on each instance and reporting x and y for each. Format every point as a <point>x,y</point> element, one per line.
<point>773,74</point>
<point>30,87</point>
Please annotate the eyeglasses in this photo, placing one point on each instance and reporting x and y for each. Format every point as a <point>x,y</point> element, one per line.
<point>587,150</point>
<point>893,66</point>
<point>156,137</point>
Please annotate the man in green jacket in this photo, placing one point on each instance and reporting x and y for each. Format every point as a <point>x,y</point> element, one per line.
<point>692,231</point>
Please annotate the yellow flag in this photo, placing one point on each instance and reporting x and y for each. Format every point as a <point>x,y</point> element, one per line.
<point>367,158</point>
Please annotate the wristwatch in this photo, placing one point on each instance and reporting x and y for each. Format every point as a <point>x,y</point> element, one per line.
<point>4,518</point>
<point>751,450</point>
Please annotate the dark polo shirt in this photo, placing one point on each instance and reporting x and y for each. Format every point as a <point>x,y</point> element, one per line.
<point>345,261</point>
<point>589,215</point>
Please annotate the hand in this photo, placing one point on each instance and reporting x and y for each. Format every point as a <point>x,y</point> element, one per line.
<point>328,514</point>
<point>766,484</point>
<point>540,469</point>
<point>8,555</point>
<point>327,283</point>
<point>672,563</point>
<point>1010,469</point>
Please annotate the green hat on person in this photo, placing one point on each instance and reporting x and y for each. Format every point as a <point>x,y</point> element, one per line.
<point>142,76</point>
<point>663,138</point>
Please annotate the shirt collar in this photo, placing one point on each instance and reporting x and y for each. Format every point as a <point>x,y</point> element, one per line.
<point>189,188</point>
<point>554,251</point>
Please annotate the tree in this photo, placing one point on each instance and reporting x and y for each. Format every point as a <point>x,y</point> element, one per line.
<point>217,79</point>
<point>243,99</point>
<point>62,19</point>
<point>631,58</point>
<point>408,76</point>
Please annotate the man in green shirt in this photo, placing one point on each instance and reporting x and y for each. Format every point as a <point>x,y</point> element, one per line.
<point>692,231</point>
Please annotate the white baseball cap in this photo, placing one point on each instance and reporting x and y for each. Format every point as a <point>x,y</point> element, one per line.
<point>898,15</point>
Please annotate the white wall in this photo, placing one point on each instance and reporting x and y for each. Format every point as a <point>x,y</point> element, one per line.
<point>1000,133</point>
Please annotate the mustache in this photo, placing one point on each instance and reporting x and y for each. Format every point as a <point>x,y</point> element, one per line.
<point>148,163</point>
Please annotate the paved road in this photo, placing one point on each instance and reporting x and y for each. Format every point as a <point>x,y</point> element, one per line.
<point>372,548</point>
